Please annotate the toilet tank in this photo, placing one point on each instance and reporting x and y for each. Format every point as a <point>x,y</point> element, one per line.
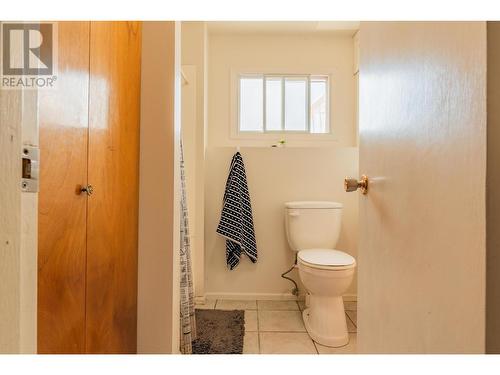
<point>312,224</point>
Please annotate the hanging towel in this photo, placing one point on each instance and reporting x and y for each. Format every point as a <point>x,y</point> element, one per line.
<point>236,222</point>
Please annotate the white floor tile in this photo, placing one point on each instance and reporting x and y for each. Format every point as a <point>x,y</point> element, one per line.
<point>351,328</point>
<point>277,305</point>
<point>251,321</point>
<point>347,349</point>
<point>251,343</point>
<point>286,343</point>
<point>208,305</point>
<point>280,321</point>
<point>227,304</point>
<point>276,327</point>
<point>354,316</point>
<point>350,305</point>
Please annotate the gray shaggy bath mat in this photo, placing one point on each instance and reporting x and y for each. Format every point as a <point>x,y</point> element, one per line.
<point>219,332</point>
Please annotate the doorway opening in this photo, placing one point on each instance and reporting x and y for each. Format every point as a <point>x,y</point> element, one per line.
<point>282,98</point>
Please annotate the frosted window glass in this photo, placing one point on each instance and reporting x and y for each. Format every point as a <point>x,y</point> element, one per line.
<point>273,104</point>
<point>295,105</point>
<point>318,106</point>
<point>280,103</point>
<point>251,104</point>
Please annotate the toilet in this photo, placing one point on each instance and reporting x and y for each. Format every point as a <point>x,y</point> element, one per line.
<point>313,229</point>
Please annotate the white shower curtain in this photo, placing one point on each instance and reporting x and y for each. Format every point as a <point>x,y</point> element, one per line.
<point>187,323</point>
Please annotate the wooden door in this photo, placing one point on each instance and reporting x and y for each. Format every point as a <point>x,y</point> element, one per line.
<point>62,213</point>
<point>89,134</point>
<point>113,171</point>
<point>422,224</point>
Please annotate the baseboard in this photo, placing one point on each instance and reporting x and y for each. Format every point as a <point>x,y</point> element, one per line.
<point>200,300</point>
<point>252,296</point>
<point>262,296</point>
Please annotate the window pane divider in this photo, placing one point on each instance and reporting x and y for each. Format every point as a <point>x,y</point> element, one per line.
<point>264,114</point>
<point>283,79</point>
<point>308,104</point>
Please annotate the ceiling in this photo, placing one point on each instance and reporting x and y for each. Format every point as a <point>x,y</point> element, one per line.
<point>282,27</point>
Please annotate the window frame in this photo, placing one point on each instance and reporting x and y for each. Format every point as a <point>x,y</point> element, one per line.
<point>284,76</point>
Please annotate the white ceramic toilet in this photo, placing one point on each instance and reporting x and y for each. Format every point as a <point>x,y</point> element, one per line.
<point>313,229</point>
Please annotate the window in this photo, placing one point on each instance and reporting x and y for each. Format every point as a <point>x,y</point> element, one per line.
<point>283,103</point>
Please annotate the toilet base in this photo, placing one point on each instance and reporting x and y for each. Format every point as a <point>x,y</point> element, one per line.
<point>325,321</point>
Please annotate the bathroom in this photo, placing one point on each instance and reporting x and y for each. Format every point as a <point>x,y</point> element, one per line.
<point>349,147</point>
<point>281,166</point>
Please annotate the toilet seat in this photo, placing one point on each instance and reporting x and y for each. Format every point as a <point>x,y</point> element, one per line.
<point>326,259</point>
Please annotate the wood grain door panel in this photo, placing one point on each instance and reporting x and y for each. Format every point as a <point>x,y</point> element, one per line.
<point>62,210</point>
<point>113,170</point>
<point>89,134</point>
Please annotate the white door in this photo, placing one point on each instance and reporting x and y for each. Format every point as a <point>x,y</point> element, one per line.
<point>422,223</point>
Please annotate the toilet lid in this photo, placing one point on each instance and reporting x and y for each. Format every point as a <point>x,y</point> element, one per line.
<point>326,257</point>
<point>313,204</point>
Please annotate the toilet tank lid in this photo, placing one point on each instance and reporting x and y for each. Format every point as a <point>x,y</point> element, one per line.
<point>313,204</point>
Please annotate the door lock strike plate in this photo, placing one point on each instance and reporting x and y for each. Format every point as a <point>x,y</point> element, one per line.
<point>30,156</point>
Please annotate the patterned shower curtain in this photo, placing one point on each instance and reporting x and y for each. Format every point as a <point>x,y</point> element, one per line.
<point>188,323</point>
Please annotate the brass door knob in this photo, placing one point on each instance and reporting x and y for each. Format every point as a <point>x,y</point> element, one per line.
<point>351,184</point>
<point>89,189</point>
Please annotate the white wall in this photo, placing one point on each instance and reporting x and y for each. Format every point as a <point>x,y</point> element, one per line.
<point>309,171</point>
<point>275,176</point>
<point>158,267</point>
<point>311,53</point>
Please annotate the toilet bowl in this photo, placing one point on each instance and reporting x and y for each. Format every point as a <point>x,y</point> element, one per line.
<point>326,275</point>
<point>313,229</point>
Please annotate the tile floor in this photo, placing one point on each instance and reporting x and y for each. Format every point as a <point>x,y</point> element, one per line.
<point>276,327</point>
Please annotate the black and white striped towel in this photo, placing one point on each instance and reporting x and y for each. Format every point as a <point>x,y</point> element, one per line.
<point>236,222</point>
